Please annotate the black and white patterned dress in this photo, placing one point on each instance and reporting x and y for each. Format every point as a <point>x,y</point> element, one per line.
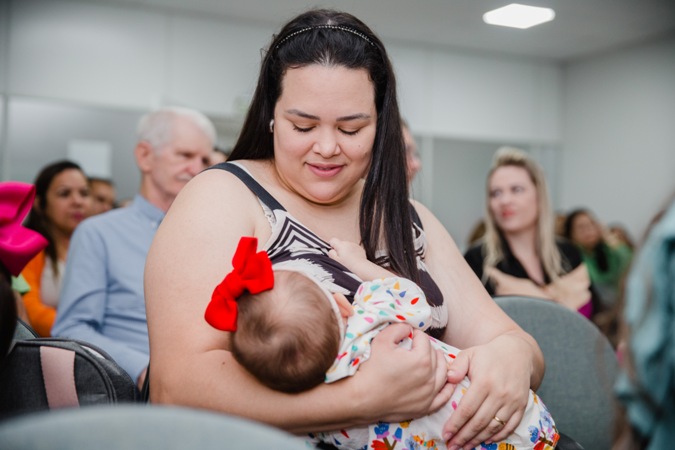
<point>294,246</point>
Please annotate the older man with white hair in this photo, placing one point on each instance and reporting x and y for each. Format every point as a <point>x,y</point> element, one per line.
<point>102,299</point>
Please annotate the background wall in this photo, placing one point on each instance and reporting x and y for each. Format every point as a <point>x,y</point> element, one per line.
<point>618,152</point>
<point>72,69</point>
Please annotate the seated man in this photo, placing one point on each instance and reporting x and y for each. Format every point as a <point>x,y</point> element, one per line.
<point>102,299</point>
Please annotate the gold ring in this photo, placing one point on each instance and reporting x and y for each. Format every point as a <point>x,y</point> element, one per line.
<point>501,422</point>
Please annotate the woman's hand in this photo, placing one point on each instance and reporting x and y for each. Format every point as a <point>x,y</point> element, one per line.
<point>398,384</point>
<point>510,285</point>
<point>495,402</point>
<point>571,290</point>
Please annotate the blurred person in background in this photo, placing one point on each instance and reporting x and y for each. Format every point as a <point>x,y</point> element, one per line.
<point>519,253</point>
<point>412,158</point>
<point>18,245</point>
<point>646,385</point>
<point>103,195</point>
<point>102,301</point>
<point>606,258</point>
<point>62,201</point>
<point>219,155</point>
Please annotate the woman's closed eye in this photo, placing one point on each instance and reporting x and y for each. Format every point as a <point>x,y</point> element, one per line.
<point>343,131</point>
<point>302,130</point>
<point>350,132</point>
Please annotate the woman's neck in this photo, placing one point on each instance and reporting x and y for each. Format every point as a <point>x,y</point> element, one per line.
<point>524,241</point>
<point>523,245</point>
<point>61,244</point>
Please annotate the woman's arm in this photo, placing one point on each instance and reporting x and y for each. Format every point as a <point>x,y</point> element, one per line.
<point>41,317</point>
<point>189,362</point>
<point>500,359</point>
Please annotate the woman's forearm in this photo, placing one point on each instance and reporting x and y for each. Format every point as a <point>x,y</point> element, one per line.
<point>231,390</point>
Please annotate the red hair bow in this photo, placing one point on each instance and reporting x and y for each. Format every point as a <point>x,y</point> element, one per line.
<point>251,272</point>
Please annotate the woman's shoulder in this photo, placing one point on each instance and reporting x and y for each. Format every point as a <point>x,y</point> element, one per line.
<point>213,193</point>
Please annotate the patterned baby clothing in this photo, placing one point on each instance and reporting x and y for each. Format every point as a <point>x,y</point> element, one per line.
<point>390,300</point>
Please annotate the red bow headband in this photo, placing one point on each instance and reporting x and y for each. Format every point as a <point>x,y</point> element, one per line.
<point>18,245</point>
<point>251,272</point>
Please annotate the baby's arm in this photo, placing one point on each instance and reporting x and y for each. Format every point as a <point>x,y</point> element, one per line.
<point>353,257</point>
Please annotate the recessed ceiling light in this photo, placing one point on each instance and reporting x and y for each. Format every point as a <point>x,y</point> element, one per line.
<point>518,16</point>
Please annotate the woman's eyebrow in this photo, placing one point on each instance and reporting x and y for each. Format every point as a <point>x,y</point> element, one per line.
<point>357,116</point>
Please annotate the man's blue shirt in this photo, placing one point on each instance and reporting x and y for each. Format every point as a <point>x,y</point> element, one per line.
<point>102,299</point>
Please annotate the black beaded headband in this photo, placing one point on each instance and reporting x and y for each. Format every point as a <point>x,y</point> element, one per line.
<point>329,27</point>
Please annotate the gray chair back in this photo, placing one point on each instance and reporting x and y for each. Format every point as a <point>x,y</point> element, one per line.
<point>581,367</point>
<point>140,427</point>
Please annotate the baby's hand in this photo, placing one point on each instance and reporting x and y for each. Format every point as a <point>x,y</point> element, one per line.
<point>347,253</point>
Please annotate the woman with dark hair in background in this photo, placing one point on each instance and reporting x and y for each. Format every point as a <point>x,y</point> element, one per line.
<point>61,203</point>
<point>606,258</point>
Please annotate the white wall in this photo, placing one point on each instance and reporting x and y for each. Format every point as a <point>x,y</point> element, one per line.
<point>618,154</point>
<point>592,124</point>
<point>476,97</point>
<point>70,60</point>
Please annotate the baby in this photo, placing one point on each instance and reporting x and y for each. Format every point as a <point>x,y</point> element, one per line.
<point>287,329</point>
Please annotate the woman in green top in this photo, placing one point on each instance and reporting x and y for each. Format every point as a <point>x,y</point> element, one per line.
<point>606,258</point>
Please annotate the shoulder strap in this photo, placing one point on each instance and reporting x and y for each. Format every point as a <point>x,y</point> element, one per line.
<point>415,217</point>
<point>251,183</point>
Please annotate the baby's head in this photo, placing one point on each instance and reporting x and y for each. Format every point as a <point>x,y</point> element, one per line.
<point>289,336</point>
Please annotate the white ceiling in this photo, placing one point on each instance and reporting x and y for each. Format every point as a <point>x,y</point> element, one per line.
<point>581,27</point>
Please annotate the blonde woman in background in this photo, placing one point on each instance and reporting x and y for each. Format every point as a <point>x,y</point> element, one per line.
<point>520,254</point>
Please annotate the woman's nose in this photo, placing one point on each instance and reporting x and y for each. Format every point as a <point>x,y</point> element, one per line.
<point>327,144</point>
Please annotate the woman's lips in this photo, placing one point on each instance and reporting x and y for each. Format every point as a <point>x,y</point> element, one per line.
<point>323,170</point>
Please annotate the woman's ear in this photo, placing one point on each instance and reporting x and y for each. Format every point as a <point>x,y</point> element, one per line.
<point>343,304</point>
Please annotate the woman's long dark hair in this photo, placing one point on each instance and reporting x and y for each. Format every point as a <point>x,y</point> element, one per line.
<point>37,219</point>
<point>8,313</point>
<point>600,250</point>
<point>332,38</point>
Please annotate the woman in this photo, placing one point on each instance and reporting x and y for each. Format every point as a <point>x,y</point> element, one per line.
<point>323,151</point>
<point>519,254</point>
<point>606,258</point>
<point>61,203</point>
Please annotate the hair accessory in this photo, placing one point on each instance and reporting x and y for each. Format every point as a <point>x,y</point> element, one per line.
<point>251,272</point>
<point>326,27</point>
<point>272,126</point>
<point>18,244</point>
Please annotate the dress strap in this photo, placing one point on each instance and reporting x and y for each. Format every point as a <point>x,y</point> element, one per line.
<point>250,183</point>
<point>415,217</point>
